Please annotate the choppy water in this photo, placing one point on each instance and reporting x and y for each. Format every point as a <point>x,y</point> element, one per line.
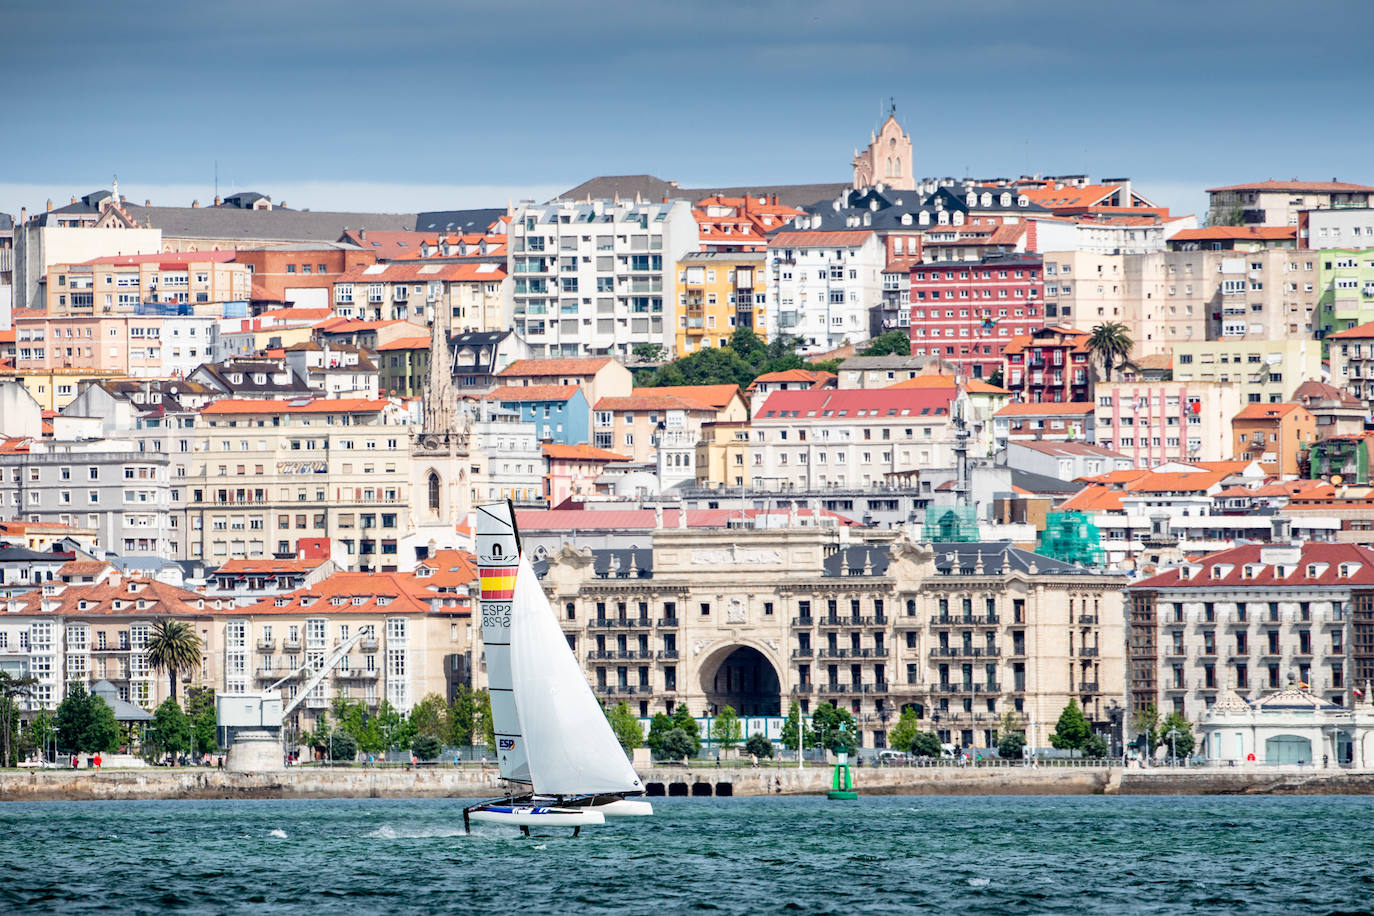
<point>744,855</point>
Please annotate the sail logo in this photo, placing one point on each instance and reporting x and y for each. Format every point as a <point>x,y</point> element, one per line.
<point>498,583</point>
<point>507,744</point>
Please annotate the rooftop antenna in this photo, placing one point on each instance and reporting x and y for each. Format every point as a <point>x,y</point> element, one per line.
<point>216,179</point>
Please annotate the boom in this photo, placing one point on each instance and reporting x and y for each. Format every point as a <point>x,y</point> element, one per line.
<point>324,668</point>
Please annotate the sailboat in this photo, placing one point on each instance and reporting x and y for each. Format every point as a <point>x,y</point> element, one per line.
<point>560,759</point>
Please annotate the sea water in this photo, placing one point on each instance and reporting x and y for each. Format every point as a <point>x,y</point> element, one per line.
<point>1309,855</point>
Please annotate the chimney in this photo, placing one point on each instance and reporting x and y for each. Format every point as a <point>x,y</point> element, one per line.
<point>147,201</point>
<point>362,234</point>
<point>23,215</point>
<point>1281,529</point>
<point>218,200</point>
<point>49,204</point>
<point>73,198</point>
<point>195,204</point>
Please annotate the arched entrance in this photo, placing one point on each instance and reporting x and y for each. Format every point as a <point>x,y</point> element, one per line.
<point>1288,749</point>
<point>745,680</point>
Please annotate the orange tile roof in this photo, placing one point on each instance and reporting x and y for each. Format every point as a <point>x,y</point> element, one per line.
<point>316,405</point>
<point>8,336</point>
<point>582,452</point>
<point>399,593</point>
<point>841,237</point>
<point>269,566</point>
<point>1093,498</point>
<point>1295,185</point>
<point>1058,408</point>
<point>1213,233</point>
<point>1067,197</point>
<point>1176,481</point>
<point>447,569</point>
<point>1360,331</point>
<point>652,402</point>
<point>533,393</point>
<point>1077,340</point>
<point>121,595</point>
<point>589,365</point>
<point>309,316</point>
<point>716,396</point>
<point>406,343</point>
<point>83,568</point>
<point>794,375</point>
<point>1266,411</point>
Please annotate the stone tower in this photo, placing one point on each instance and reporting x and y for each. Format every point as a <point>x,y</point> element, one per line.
<point>888,159</point>
<point>439,456</point>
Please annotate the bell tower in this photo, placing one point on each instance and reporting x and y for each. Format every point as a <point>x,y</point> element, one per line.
<point>888,158</point>
<point>439,451</point>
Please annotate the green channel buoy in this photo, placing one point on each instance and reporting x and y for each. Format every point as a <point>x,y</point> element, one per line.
<point>842,786</point>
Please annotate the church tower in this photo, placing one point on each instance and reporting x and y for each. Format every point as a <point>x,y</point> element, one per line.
<point>439,451</point>
<point>888,159</point>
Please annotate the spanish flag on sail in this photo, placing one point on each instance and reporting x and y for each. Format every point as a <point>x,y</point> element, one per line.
<point>498,583</point>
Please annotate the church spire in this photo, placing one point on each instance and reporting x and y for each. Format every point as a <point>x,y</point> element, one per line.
<point>441,400</point>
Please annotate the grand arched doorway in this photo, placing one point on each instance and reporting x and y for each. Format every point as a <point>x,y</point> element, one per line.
<point>745,680</point>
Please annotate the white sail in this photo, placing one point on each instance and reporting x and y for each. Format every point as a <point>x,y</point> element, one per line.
<point>569,743</point>
<point>498,553</point>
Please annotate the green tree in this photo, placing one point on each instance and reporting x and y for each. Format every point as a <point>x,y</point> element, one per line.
<point>683,719</point>
<point>463,715</point>
<point>340,745</point>
<point>430,717</point>
<point>1176,734</point>
<point>85,723</point>
<point>675,744</point>
<point>426,747</point>
<point>907,727</point>
<point>354,719</point>
<point>759,746</point>
<point>750,347</point>
<point>1095,746</point>
<point>996,379</point>
<point>1072,729</point>
<point>486,726</point>
<point>36,738</point>
<point>625,724</point>
<point>11,690</point>
<point>1010,745</point>
<point>200,709</point>
<point>659,725</point>
<point>648,352</point>
<point>790,726</point>
<point>833,729</point>
<point>1111,343</point>
<point>173,646</point>
<point>726,728</point>
<point>168,733</point>
<point>1146,723</point>
<point>892,343</point>
<point>394,728</point>
<point>926,744</point>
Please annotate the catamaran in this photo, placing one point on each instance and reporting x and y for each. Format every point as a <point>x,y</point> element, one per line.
<point>560,760</point>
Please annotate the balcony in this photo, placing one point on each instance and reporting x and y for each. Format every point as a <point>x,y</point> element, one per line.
<point>620,655</point>
<point>316,703</point>
<point>670,622</point>
<point>969,688</point>
<point>266,644</point>
<point>967,620</point>
<point>879,687</point>
<point>270,674</point>
<point>667,654</point>
<point>803,621</point>
<point>291,644</point>
<point>1087,653</point>
<point>801,653</point>
<point>620,623</point>
<point>965,652</point>
<point>835,688</point>
<point>802,689</point>
<point>1088,687</point>
<point>623,689</point>
<point>1087,619</point>
<point>357,674</point>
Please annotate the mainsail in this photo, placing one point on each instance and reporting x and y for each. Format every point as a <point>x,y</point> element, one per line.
<point>570,746</point>
<point>498,557</point>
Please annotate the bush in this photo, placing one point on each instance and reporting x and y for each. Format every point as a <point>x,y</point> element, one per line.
<point>1010,745</point>
<point>341,746</point>
<point>675,744</point>
<point>759,746</point>
<point>1095,746</point>
<point>426,747</point>
<point>926,744</point>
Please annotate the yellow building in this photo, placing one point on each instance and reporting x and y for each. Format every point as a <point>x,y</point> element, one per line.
<point>1267,371</point>
<point>124,284</point>
<point>723,455</point>
<point>718,291</point>
<point>54,389</point>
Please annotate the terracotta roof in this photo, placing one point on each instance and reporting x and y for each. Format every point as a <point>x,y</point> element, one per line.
<point>847,405</point>
<point>269,566</point>
<point>1316,391</point>
<point>646,519</point>
<point>83,568</point>
<point>1266,411</point>
<point>1093,498</point>
<point>651,402</point>
<point>159,598</point>
<point>794,375</point>
<point>582,452</point>
<point>533,393</point>
<point>379,594</point>
<point>1056,198</point>
<point>422,272</point>
<point>1078,340</point>
<point>1057,448</point>
<point>1231,569</point>
<point>406,343</point>
<point>1216,233</point>
<point>535,367</point>
<point>1045,409</point>
<point>447,570</point>
<point>1176,481</point>
<point>1295,185</point>
<point>316,405</point>
<point>972,386</point>
<point>170,258</point>
<point>842,238</point>
<point>1154,361</point>
<point>1360,331</point>
<point>341,325</point>
<point>304,315</point>
<point>716,396</point>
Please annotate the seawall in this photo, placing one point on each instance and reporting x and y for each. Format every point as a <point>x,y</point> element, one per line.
<point>312,782</point>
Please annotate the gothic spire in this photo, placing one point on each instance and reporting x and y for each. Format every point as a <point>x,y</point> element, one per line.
<point>441,400</point>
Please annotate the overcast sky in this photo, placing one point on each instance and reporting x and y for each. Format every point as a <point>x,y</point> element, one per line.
<point>422,104</point>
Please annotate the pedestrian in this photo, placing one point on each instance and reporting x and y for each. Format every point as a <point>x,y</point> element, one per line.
<point>754,761</point>
<point>97,761</point>
<point>219,763</point>
<point>484,761</point>
<point>76,762</point>
<point>717,758</point>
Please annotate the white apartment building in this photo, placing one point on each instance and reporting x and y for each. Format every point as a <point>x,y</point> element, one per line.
<point>823,284</point>
<point>1352,227</point>
<point>597,278</point>
<point>507,459</point>
<point>812,440</point>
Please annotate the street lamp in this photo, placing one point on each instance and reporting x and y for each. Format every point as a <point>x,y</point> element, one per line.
<point>1173,747</point>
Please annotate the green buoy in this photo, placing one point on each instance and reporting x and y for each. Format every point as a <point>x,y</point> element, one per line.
<point>842,786</point>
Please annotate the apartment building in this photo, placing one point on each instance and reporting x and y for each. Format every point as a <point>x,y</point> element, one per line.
<point>1048,365</point>
<point>809,440</point>
<point>145,284</point>
<point>1275,435</point>
<point>1267,370</point>
<point>107,486</point>
<point>144,346</point>
<point>1056,421</point>
<point>266,474</point>
<point>599,377</point>
<point>718,292</point>
<point>1246,618</point>
<point>472,294</point>
<point>1346,283</point>
<point>507,461</point>
<point>301,274</point>
<point>1155,422</point>
<point>1279,203</point>
<point>592,279</point>
<point>657,429</point>
<point>1352,361</point>
<point>1347,227</point>
<point>964,633</point>
<point>559,412</point>
<point>822,284</point>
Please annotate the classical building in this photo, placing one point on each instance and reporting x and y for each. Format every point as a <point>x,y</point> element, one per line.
<point>964,633</point>
<point>1289,727</point>
<point>440,454</point>
<point>888,159</point>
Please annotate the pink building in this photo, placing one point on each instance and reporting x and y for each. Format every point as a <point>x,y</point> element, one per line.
<point>574,470</point>
<point>139,346</point>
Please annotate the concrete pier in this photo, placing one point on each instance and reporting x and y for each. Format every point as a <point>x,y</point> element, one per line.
<point>447,782</point>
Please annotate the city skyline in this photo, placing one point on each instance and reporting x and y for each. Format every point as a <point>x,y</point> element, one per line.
<point>419,115</point>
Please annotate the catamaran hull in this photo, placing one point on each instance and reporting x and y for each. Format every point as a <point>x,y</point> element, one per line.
<point>624,808</point>
<point>536,816</point>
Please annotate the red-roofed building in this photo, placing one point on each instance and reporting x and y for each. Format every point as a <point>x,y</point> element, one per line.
<point>658,429</point>
<point>1052,365</point>
<point>1234,238</point>
<point>1277,203</point>
<point>1248,617</point>
<point>788,380</point>
<point>601,376</point>
<point>1048,420</point>
<point>967,312</point>
<point>849,438</point>
<point>147,284</point>
<point>1275,435</point>
<point>574,471</point>
<point>822,285</point>
<point>300,274</point>
<point>473,294</point>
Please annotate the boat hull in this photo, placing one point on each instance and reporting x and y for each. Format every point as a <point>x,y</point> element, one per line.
<point>536,816</point>
<point>624,807</point>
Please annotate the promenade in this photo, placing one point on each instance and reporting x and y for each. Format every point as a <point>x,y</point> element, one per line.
<point>448,782</point>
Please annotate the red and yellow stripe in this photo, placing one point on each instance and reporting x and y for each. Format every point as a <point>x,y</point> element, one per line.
<point>498,583</point>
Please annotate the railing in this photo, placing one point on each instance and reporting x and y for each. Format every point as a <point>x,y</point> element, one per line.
<point>975,620</point>
<point>611,623</point>
<point>668,654</point>
<point>1087,653</point>
<point>290,645</point>
<point>835,688</point>
<point>667,621</point>
<point>806,688</point>
<point>623,689</point>
<point>989,687</point>
<point>316,703</point>
<point>266,645</point>
<point>357,674</point>
<point>1088,687</point>
<point>803,621</point>
<point>269,674</point>
<point>801,653</point>
<point>962,652</point>
<point>1087,619</point>
<point>839,652</point>
<point>619,654</point>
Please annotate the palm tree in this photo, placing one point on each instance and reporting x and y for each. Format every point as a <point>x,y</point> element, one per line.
<point>173,646</point>
<point>1109,342</point>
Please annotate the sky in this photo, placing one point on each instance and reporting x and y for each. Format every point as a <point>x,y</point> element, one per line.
<point>423,104</point>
